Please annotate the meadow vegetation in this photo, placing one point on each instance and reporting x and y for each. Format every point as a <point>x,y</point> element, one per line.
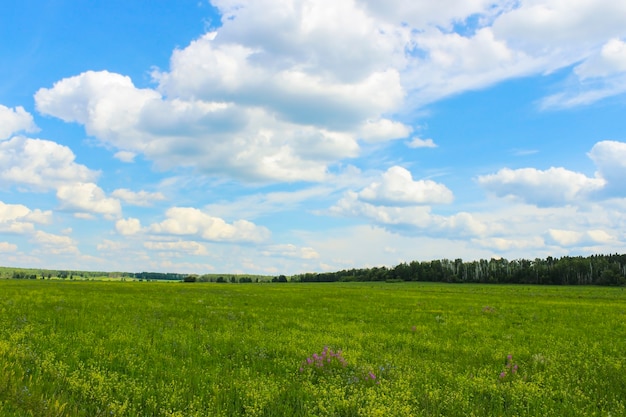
<point>78,348</point>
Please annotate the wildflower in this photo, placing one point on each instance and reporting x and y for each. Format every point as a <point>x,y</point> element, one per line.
<point>510,368</point>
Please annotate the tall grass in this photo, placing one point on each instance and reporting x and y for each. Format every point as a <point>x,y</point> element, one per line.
<point>172,349</point>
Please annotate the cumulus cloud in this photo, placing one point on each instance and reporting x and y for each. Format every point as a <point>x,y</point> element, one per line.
<point>560,186</point>
<point>572,238</point>
<point>110,246</point>
<point>211,137</point>
<point>502,244</point>
<point>55,244</point>
<point>383,130</point>
<point>187,247</point>
<point>188,221</point>
<point>291,251</point>
<point>15,120</point>
<point>7,247</point>
<point>17,218</point>
<point>402,205</point>
<point>125,156</point>
<point>137,198</point>
<point>397,187</point>
<point>421,143</point>
<point>549,24</point>
<point>281,91</point>
<point>40,164</point>
<point>127,227</point>
<point>554,186</point>
<point>442,14</point>
<point>610,158</point>
<point>410,219</point>
<point>88,198</point>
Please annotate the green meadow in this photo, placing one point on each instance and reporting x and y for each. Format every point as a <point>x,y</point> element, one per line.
<point>381,349</point>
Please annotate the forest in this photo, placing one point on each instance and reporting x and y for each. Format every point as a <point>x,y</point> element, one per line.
<point>568,270</point>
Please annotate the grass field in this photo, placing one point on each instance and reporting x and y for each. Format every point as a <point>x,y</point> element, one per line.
<point>408,349</point>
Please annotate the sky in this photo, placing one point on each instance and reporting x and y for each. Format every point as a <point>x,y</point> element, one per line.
<point>289,136</point>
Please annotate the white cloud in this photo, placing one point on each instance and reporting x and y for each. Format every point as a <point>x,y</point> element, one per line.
<point>7,247</point>
<point>574,238</point>
<point>88,198</point>
<point>15,120</point>
<point>188,221</point>
<point>397,187</point>
<point>411,219</point>
<point>554,186</point>
<point>17,218</point>
<point>559,186</point>
<point>421,143</point>
<point>188,247</point>
<point>40,164</point>
<point>290,251</point>
<point>125,156</point>
<point>102,101</point>
<point>401,204</point>
<point>138,198</point>
<point>513,39</point>
<point>110,246</point>
<point>500,244</point>
<point>283,90</point>
<point>456,63</point>
<point>55,244</point>
<point>383,130</point>
<point>565,237</point>
<point>211,137</point>
<point>610,60</point>
<point>127,227</point>
<point>425,13</point>
<point>610,158</point>
<point>558,26</point>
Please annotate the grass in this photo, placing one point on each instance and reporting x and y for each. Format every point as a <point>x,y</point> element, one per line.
<point>173,349</point>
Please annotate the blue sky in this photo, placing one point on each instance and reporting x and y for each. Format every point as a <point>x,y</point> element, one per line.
<point>291,136</point>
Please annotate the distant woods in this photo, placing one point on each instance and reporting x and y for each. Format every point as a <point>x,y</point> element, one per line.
<point>568,270</point>
<point>592,270</point>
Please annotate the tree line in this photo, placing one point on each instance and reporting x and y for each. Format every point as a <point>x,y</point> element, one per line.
<point>568,270</point>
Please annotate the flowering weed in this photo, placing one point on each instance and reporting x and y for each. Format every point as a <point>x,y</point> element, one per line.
<point>330,363</point>
<point>510,371</point>
<point>327,362</point>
